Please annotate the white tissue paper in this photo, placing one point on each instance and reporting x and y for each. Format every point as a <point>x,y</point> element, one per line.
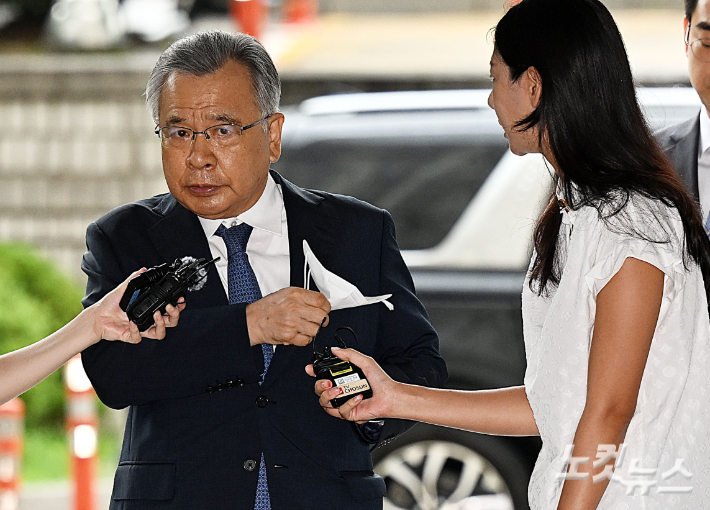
<point>339,292</point>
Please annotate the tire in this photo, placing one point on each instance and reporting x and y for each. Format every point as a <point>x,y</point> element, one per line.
<point>436,468</point>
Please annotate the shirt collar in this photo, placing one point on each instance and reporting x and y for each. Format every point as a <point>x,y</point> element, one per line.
<point>265,214</point>
<point>704,130</point>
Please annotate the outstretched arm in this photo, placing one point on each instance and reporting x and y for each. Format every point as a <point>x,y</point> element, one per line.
<point>501,412</point>
<point>22,369</point>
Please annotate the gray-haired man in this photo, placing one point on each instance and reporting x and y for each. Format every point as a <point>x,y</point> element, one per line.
<point>219,417</point>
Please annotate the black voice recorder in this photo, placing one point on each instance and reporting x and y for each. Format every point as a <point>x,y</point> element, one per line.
<point>161,285</point>
<point>346,376</point>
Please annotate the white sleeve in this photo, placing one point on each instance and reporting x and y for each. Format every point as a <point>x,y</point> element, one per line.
<point>615,248</point>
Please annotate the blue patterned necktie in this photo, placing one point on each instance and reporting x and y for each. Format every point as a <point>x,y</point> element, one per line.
<point>243,288</point>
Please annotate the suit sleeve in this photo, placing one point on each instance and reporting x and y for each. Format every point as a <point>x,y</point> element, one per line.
<point>407,345</point>
<point>210,346</point>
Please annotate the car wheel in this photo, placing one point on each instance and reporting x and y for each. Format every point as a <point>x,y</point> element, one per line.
<point>435,468</point>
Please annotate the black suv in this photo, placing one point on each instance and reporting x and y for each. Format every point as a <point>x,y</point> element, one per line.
<point>464,209</point>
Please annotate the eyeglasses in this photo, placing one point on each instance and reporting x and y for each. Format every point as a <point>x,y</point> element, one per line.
<point>223,135</point>
<point>700,47</point>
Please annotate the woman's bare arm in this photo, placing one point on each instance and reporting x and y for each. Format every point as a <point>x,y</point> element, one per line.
<point>626,317</point>
<point>23,368</point>
<point>503,411</point>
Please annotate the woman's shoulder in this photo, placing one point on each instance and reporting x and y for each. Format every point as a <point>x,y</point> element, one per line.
<point>636,226</point>
<point>635,215</point>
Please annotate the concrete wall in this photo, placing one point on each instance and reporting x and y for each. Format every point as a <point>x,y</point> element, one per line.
<point>74,144</point>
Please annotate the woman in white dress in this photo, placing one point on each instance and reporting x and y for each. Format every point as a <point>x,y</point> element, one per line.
<point>615,307</point>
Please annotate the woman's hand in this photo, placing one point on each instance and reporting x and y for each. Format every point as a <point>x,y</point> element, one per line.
<point>384,391</point>
<point>501,412</point>
<point>111,323</point>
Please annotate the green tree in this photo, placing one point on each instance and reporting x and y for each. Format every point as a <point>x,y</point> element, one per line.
<point>36,299</point>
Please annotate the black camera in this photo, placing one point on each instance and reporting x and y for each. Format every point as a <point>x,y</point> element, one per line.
<point>159,286</point>
<point>346,376</point>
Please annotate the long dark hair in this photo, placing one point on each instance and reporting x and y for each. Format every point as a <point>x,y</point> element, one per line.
<point>596,132</point>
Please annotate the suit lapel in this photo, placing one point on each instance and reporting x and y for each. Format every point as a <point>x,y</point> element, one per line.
<point>683,152</point>
<point>180,234</point>
<point>307,220</point>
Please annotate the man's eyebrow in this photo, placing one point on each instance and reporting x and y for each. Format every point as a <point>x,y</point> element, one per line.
<point>174,120</point>
<point>703,25</point>
<point>226,119</point>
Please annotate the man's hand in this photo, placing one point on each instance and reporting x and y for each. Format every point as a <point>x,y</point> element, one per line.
<point>289,316</point>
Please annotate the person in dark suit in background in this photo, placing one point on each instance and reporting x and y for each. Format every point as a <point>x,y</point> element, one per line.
<point>222,413</point>
<point>688,144</point>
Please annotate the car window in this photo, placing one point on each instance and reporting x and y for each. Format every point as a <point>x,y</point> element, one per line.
<point>426,166</point>
<point>424,187</point>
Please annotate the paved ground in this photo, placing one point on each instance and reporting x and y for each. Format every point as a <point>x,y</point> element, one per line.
<point>58,496</point>
<point>450,45</point>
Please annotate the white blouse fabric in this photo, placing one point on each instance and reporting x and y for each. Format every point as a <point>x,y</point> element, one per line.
<point>668,440</point>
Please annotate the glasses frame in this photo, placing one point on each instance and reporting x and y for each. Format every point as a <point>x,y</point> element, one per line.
<point>158,129</point>
<point>691,45</point>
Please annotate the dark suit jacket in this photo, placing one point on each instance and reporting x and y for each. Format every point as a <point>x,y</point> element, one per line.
<point>680,142</point>
<point>198,419</point>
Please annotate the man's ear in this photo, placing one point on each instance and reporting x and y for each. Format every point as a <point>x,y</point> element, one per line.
<point>531,81</point>
<point>686,34</point>
<point>275,125</point>
<point>507,4</point>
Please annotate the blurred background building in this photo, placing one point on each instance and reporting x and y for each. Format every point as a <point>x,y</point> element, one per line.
<point>77,140</point>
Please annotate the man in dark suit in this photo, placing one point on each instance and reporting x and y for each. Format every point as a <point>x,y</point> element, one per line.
<point>221,418</point>
<point>680,142</point>
<point>688,143</point>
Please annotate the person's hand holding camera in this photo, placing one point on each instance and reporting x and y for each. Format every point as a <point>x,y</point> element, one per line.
<point>288,316</point>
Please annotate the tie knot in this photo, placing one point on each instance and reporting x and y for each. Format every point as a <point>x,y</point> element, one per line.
<point>236,237</point>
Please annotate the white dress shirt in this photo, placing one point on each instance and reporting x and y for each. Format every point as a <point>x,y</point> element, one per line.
<point>704,164</point>
<point>268,253</point>
<point>267,248</point>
